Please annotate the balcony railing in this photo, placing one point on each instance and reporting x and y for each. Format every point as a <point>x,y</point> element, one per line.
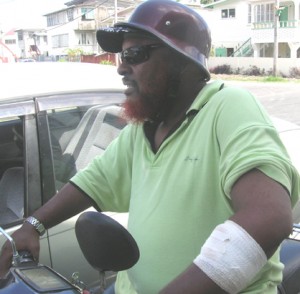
<point>86,25</point>
<point>270,25</point>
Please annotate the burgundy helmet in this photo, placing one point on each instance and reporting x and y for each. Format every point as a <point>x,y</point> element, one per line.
<point>175,24</point>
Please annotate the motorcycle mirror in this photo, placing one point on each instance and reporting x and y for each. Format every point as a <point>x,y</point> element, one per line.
<point>105,243</point>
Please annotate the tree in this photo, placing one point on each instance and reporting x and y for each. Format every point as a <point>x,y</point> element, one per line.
<point>207,1</point>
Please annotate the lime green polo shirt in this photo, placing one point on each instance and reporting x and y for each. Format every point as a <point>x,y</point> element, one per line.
<point>178,195</point>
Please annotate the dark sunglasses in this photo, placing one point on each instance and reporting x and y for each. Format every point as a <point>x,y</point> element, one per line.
<point>138,54</point>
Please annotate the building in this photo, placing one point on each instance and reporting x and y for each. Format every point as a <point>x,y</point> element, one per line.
<point>72,30</point>
<point>9,51</point>
<point>32,43</point>
<point>250,25</point>
<point>248,29</point>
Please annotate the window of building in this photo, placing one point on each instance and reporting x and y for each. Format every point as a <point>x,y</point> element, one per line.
<point>249,13</point>
<point>10,42</point>
<point>56,18</point>
<point>264,12</point>
<point>70,14</point>
<point>87,14</point>
<point>228,13</point>
<point>85,38</point>
<point>59,41</point>
<point>20,36</point>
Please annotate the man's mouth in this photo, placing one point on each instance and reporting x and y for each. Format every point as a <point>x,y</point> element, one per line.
<point>130,86</point>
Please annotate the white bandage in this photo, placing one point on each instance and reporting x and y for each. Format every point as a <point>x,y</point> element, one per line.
<point>231,257</point>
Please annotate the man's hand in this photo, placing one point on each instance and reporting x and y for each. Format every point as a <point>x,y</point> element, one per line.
<point>26,238</point>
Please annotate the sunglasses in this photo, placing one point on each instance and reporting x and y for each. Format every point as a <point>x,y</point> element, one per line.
<point>138,54</point>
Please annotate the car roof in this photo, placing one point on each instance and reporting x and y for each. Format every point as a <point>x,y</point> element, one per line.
<point>33,79</point>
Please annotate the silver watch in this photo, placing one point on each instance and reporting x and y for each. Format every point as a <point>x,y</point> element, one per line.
<point>37,225</point>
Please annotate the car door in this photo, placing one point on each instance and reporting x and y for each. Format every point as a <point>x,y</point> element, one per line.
<point>20,185</point>
<point>61,132</point>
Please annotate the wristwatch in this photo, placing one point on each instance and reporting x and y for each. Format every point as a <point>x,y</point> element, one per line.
<point>37,225</point>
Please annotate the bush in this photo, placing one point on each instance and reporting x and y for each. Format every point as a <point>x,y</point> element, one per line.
<point>222,69</point>
<point>106,62</point>
<point>295,72</point>
<point>254,71</point>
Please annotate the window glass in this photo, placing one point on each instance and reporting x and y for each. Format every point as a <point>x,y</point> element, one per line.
<point>60,41</point>
<point>224,13</point>
<point>11,170</point>
<point>228,13</point>
<point>249,13</point>
<point>62,126</point>
<point>87,14</point>
<point>264,13</point>
<point>231,12</point>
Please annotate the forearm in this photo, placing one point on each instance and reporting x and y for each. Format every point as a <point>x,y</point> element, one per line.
<point>68,202</point>
<point>192,281</point>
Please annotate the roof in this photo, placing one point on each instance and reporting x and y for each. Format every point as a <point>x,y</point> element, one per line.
<point>219,2</point>
<point>19,80</point>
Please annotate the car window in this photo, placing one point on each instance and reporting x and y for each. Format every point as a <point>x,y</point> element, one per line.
<point>79,134</point>
<point>62,125</point>
<point>11,170</point>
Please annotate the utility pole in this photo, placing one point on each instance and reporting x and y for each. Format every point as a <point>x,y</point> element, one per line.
<point>275,54</point>
<point>116,20</point>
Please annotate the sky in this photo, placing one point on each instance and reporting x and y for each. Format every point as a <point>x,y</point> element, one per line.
<point>26,13</point>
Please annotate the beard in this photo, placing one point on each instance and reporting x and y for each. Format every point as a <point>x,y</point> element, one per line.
<point>155,106</point>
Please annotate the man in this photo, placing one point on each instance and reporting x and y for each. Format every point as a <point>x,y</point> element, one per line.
<point>201,169</point>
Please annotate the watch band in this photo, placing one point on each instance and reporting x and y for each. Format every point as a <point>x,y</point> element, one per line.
<point>37,225</point>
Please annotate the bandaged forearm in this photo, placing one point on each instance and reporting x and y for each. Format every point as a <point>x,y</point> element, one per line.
<point>231,257</point>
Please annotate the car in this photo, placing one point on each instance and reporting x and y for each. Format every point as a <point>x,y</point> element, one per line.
<point>52,116</point>
<point>26,60</point>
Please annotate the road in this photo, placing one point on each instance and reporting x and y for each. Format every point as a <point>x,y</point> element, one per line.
<point>280,99</point>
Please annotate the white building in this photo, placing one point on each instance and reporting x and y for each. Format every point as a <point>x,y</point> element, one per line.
<point>74,27</point>
<point>9,51</point>
<point>32,43</point>
<point>235,23</point>
<point>247,28</point>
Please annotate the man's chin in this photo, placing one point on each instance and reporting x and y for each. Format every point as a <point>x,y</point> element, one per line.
<point>135,111</point>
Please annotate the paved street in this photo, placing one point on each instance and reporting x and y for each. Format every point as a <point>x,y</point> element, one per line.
<point>280,99</point>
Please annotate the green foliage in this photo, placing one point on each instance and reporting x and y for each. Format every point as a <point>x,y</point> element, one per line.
<point>274,79</point>
<point>74,52</point>
<point>206,1</point>
<point>106,62</point>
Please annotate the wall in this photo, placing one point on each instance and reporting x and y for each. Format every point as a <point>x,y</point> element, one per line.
<point>283,64</point>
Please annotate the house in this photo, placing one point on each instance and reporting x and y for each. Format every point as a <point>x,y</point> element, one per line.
<point>247,29</point>
<point>72,30</point>
<point>288,32</point>
<point>32,43</point>
<point>236,24</point>
<point>8,46</point>
<point>230,25</point>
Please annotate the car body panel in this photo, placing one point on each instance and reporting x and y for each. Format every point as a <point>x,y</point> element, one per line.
<point>32,96</point>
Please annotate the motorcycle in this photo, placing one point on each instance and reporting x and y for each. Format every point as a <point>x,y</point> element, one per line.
<point>108,246</point>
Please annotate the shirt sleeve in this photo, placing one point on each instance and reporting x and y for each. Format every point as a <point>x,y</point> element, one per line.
<point>248,140</point>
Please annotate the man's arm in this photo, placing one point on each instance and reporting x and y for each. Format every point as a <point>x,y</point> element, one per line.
<point>262,207</point>
<point>68,202</point>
